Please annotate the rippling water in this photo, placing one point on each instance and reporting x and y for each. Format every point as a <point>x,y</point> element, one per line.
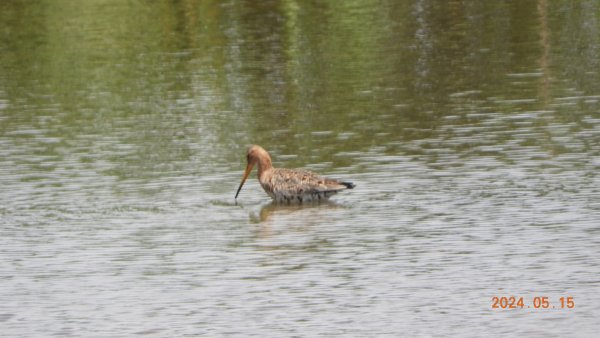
<point>472,132</point>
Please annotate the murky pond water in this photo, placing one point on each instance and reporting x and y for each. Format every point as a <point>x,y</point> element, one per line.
<point>472,132</point>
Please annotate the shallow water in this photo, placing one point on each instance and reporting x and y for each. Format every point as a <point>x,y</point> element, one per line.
<point>472,132</point>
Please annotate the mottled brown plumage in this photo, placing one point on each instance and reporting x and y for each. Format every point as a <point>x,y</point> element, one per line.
<point>289,185</point>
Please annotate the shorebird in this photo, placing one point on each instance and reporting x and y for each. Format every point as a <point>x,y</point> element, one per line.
<point>289,185</point>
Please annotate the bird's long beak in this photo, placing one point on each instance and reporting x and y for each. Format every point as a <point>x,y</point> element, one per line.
<point>246,173</point>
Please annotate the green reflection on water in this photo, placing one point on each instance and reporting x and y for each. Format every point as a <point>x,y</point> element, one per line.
<point>164,86</point>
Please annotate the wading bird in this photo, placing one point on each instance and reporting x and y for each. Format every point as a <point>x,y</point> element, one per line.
<point>289,185</point>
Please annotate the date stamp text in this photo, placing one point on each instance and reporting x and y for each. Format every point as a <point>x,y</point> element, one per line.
<point>538,302</point>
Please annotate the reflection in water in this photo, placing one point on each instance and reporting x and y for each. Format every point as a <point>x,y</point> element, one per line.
<point>299,211</point>
<point>470,128</point>
<point>294,216</point>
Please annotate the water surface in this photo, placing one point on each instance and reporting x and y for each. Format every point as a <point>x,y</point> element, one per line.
<point>472,132</point>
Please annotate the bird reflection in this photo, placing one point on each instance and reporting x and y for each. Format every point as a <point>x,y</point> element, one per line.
<point>269,211</point>
<point>298,217</point>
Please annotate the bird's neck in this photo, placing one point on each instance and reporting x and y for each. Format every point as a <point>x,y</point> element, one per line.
<point>264,166</point>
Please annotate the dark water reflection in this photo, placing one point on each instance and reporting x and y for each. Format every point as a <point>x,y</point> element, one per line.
<point>472,131</point>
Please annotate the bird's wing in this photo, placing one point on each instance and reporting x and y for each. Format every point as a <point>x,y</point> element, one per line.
<point>303,181</point>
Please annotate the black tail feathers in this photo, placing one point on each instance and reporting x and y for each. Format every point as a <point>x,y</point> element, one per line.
<point>348,185</point>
